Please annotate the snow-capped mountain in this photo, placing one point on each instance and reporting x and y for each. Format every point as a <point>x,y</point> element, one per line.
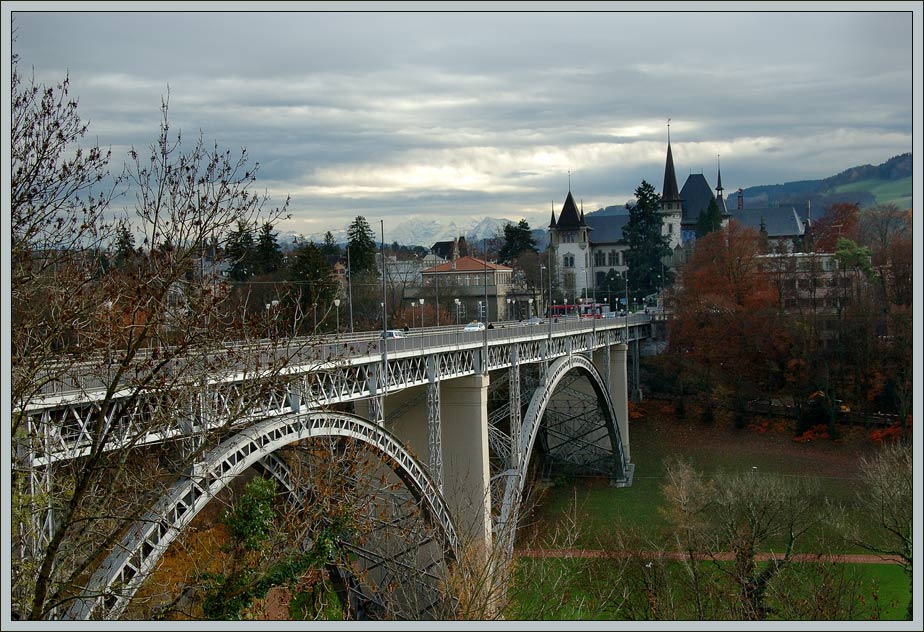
<point>427,231</point>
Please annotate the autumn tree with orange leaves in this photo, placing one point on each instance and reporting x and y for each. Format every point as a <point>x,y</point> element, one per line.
<point>840,221</point>
<point>726,325</point>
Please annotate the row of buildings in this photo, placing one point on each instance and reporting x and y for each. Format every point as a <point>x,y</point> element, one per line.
<point>588,247</point>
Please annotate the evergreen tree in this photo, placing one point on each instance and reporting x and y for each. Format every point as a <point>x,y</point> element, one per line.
<point>241,252</point>
<point>268,255</point>
<point>330,248</point>
<point>311,275</point>
<point>362,246</point>
<point>709,220</point>
<point>647,246</point>
<point>518,238</point>
<point>124,244</point>
<point>764,237</point>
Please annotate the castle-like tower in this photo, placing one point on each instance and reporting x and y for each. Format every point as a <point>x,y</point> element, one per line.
<point>570,237</point>
<point>671,202</point>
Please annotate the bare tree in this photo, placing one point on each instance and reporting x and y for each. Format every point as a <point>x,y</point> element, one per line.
<point>138,342</point>
<point>728,520</point>
<point>886,497</point>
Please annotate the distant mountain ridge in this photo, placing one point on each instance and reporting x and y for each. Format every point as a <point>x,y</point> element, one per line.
<point>866,185</point>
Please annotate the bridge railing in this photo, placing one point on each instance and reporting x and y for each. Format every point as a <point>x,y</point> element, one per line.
<point>307,351</point>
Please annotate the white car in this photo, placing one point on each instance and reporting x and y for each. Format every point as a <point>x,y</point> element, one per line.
<point>474,326</point>
<point>391,334</point>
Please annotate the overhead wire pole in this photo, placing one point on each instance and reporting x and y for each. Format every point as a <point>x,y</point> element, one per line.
<point>350,285</point>
<point>484,250</point>
<point>381,410</point>
<point>549,304</point>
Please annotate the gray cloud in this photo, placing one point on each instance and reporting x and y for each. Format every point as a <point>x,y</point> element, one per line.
<point>472,114</point>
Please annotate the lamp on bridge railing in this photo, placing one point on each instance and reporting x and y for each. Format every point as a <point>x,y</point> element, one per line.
<point>413,313</point>
<point>508,309</point>
<point>457,310</point>
<point>421,312</point>
<point>315,306</point>
<point>529,311</point>
<point>337,305</point>
<point>272,305</point>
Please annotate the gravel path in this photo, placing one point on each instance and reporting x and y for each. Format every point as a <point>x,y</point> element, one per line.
<point>674,555</point>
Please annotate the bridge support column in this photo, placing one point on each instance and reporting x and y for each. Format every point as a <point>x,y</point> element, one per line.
<point>466,472</point>
<point>434,425</point>
<point>612,363</point>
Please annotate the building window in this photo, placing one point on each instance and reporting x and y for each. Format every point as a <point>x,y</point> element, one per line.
<point>599,259</point>
<point>670,229</point>
<point>568,261</point>
<point>612,258</point>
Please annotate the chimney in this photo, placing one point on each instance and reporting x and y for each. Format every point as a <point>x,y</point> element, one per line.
<point>740,199</point>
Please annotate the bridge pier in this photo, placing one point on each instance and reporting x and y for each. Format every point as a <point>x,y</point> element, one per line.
<point>611,361</point>
<point>466,470</point>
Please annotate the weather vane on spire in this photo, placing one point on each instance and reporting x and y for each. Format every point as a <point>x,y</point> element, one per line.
<point>569,179</point>
<point>668,131</point>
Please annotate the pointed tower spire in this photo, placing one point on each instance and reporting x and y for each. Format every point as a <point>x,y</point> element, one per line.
<point>719,199</point>
<point>582,213</point>
<point>568,218</point>
<point>669,192</point>
<point>552,223</point>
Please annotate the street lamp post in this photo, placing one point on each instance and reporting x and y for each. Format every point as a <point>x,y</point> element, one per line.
<point>413,312</point>
<point>541,287</point>
<point>337,305</point>
<point>627,306</point>
<point>457,310</point>
<point>508,309</point>
<point>421,313</point>
<point>529,310</point>
<point>315,306</point>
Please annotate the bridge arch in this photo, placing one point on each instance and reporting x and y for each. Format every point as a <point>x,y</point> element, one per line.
<point>114,583</point>
<point>560,370</point>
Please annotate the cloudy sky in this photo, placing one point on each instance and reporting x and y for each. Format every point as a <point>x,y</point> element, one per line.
<point>455,115</point>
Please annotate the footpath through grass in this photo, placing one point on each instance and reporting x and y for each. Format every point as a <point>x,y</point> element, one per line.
<point>603,515</point>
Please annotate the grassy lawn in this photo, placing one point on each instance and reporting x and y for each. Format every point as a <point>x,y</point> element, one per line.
<point>606,517</point>
<point>601,511</point>
<point>581,589</point>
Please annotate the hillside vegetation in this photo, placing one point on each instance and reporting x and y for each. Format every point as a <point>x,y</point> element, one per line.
<point>865,185</point>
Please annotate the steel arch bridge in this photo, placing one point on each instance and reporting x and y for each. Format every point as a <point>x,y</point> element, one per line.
<point>557,356</point>
<point>577,441</point>
<point>113,584</point>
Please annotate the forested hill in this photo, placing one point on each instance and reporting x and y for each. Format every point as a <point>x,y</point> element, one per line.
<point>866,185</point>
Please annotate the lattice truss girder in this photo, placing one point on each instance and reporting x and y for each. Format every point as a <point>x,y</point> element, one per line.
<point>70,425</point>
<point>394,566</point>
<point>434,425</point>
<point>576,433</point>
